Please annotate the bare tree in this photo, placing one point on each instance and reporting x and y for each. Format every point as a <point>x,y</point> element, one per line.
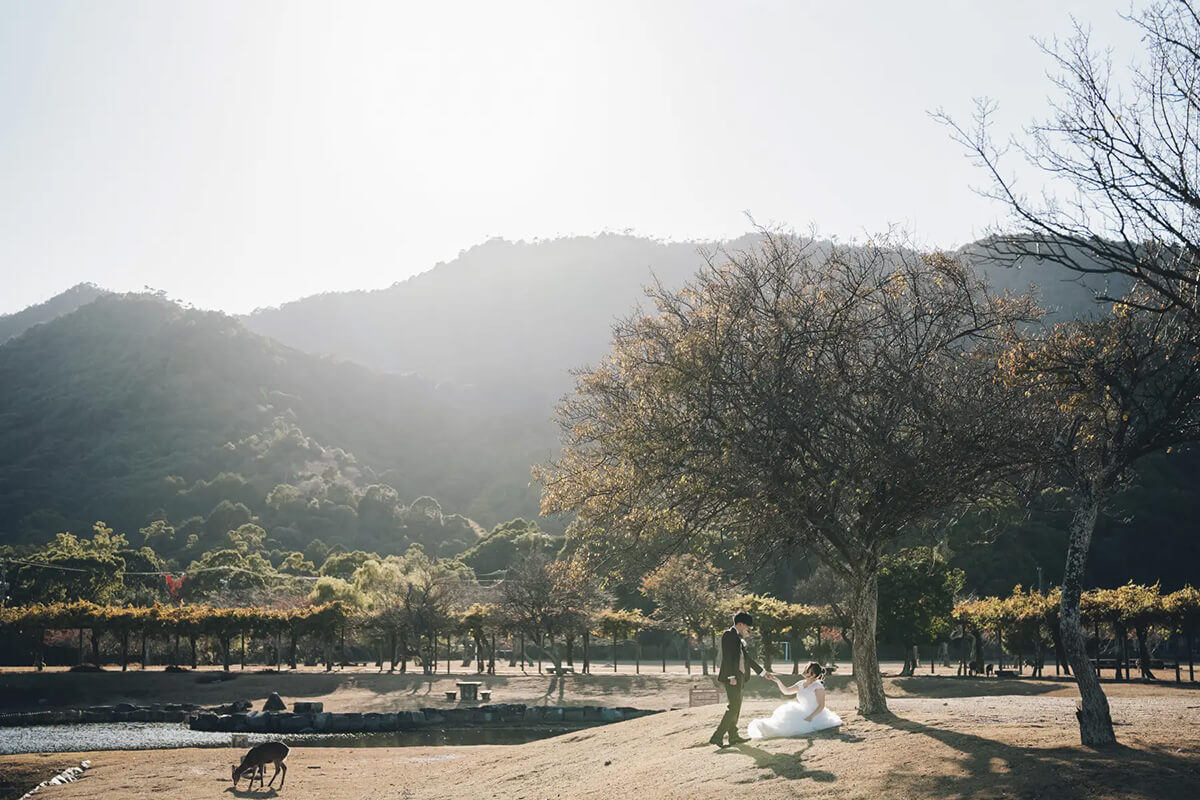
<point>1127,154</point>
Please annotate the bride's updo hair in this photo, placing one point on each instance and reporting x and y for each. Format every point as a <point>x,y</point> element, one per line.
<point>815,669</point>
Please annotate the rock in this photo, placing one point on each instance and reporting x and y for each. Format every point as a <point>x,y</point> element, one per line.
<point>322,721</point>
<point>204,722</point>
<point>308,707</point>
<point>257,721</point>
<point>293,723</point>
<point>125,707</point>
<point>275,703</point>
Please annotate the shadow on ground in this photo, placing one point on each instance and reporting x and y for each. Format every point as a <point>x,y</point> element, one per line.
<point>989,768</point>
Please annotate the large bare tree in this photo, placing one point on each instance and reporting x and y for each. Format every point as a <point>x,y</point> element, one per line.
<point>793,395</point>
<point>1120,151</point>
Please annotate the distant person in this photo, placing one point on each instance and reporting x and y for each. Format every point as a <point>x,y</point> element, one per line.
<point>806,714</point>
<point>735,672</point>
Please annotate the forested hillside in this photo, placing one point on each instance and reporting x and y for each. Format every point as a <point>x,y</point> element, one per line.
<point>15,324</point>
<point>132,409</point>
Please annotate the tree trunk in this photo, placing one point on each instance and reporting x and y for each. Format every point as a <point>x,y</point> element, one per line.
<point>909,658</point>
<point>192,645</point>
<point>124,650</point>
<point>95,637</point>
<point>492,657</point>
<point>81,647</point>
<point>243,650</point>
<point>1125,650</point>
<point>1095,720</point>
<point>143,659</point>
<point>292,648</point>
<point>1143,653</point>
<point>614,652</point>
<point>39,659</point>
<point>662,651</point>
<point>1060,656</point>
<point>687,653</point>
<point>392,652</point>
<point>587,655</point>
<point>225,652</point>
<point>175,651</point>
<point>865,655</point>
<point>796,654</point>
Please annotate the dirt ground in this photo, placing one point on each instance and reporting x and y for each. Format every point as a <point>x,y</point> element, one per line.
<point>949,738</point>
<point>995,746</point>
<point>366,690</point>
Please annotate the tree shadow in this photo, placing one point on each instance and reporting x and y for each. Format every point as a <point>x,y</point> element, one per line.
<point>993,768</point>
<point>789,766</point>
<point>953,686</point>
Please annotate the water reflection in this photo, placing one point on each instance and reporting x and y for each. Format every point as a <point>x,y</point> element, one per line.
<point>159,735</point>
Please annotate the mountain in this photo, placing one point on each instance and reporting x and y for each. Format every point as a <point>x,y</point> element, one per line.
<point>79,295</point>
<point>131,408</point>
<point>525,314</point>
<point>502,313</point>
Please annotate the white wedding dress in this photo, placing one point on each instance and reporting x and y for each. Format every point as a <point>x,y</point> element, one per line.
<point>789,718</point>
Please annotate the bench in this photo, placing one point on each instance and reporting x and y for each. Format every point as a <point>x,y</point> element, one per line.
<point>469,689</point>
<point>703,696</point>
<point>560,670</point>
<point>485,695</point>
<point>451,695</point>
<point>1006,673</point>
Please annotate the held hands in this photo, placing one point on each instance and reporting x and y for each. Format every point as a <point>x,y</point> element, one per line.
<point>732,680</point>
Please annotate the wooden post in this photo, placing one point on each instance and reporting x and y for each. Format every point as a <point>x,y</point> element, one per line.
<point>614,652</point>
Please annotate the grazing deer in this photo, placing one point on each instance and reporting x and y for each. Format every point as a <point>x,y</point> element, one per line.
<point>256,760</point>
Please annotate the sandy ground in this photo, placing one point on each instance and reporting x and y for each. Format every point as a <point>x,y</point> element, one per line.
<point>975,747</point>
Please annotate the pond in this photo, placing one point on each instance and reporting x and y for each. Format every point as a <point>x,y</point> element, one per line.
<point>160,735</point>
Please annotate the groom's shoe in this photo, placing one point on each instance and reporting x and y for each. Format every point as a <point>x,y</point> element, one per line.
<point>735,739</point>
<point>716,740</point>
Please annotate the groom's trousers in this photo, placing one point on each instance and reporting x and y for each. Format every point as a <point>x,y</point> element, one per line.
<point>729,722</point>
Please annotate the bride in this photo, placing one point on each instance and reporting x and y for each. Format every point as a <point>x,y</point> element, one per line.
<point>805,714</point>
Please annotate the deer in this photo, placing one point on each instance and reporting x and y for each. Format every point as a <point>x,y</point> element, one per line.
<point>255,763</point>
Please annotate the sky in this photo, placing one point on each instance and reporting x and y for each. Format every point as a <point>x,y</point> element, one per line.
<point>242,154</point>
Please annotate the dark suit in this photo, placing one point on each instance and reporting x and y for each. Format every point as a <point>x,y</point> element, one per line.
<point>733,655</point>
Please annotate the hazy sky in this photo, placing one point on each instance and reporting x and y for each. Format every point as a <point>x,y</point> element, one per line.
<point>240,154</point>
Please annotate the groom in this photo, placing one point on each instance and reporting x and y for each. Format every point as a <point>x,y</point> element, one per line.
<point>735,671</point>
